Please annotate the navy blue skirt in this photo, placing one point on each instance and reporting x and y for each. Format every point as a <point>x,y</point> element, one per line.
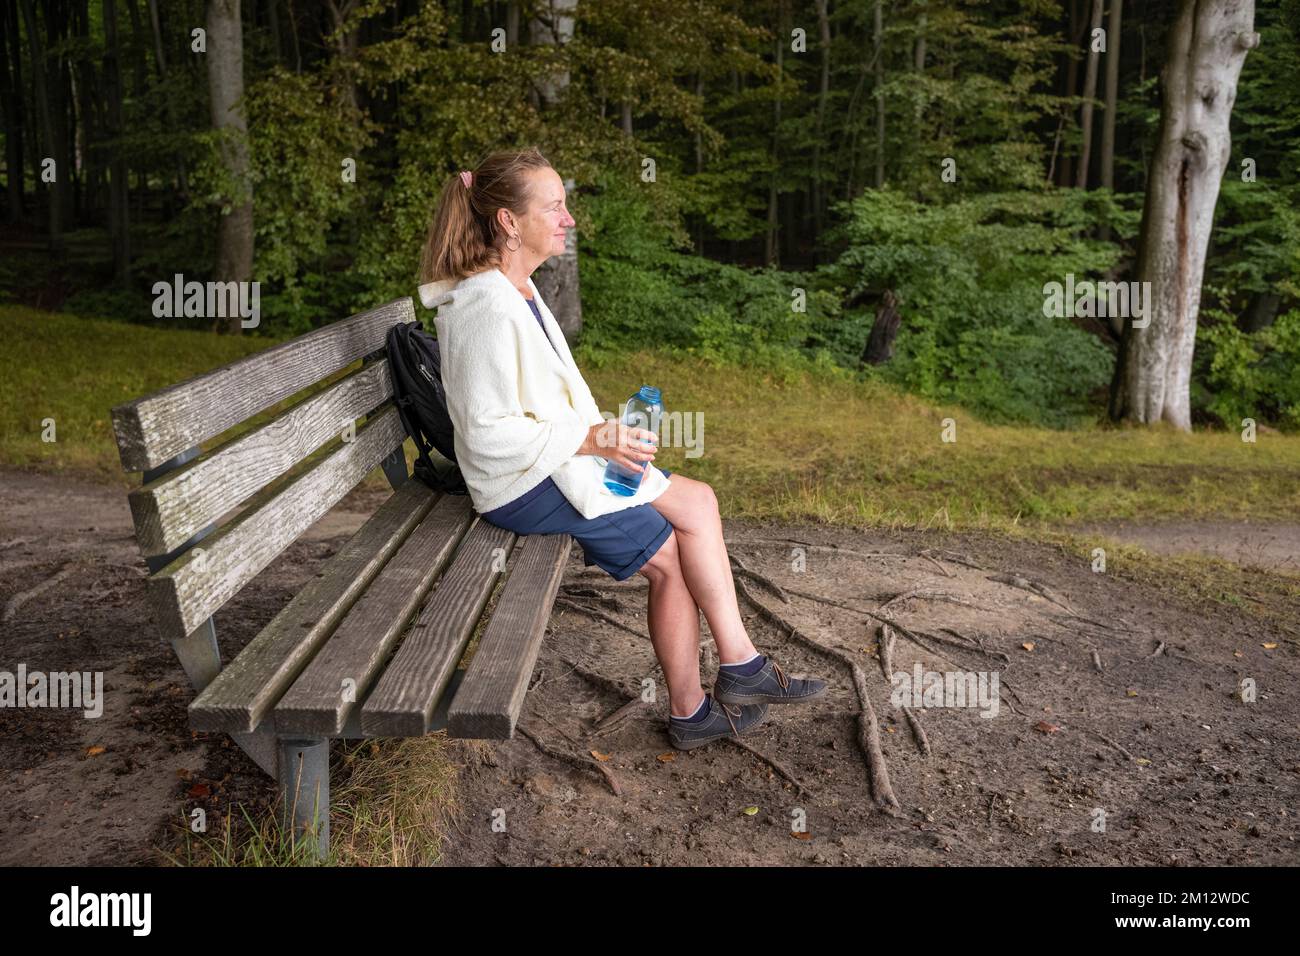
<point>619,542</point>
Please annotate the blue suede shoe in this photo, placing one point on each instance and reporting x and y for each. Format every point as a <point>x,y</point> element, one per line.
<point>722,721</point>
<point>769,685</point>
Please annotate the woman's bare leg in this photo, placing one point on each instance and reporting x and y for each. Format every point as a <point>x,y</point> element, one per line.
<point>692,509</point>
<point>674,622</point>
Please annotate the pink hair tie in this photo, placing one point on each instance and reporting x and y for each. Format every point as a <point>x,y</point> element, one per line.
<point>466,177</point>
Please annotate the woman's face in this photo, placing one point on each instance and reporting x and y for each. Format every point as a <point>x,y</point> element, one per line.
<point>544,226</point>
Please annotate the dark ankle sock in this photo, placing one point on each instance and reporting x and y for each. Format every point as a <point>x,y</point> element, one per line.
<point>700,713</point>
<point>745,669</point>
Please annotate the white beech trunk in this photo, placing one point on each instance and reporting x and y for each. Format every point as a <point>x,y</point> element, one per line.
<point>1206,49</point>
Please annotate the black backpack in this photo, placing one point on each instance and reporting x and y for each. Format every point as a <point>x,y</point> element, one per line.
<point>415,365</point>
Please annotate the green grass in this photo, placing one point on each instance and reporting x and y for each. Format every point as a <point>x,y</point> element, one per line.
<point>74,370</point>
<point>800,445</point>
<point>821,446</point>
<point>390,804</point>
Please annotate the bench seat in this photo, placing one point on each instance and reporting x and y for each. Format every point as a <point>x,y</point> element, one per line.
<point>369,647</point>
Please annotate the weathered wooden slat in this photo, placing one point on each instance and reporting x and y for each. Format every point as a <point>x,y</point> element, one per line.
<point>344,670</point>
<point>406,695</point>
<point>172,508</point>
<point>241,695</point>
<point>197,583</point>
<point>158,427</point>
<point>492,694</point>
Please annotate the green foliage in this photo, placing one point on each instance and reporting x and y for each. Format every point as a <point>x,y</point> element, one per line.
<point>1248,375</point>
<point>301,134</point>
<point>640,293</point>
<point>969,277</point>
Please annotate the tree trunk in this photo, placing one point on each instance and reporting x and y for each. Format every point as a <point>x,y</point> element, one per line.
<point>557,279</point>
<point>699,164</point>
<point>1089,94</point>
<point>1207,46</point>
<point>823,94</point>
<point>51,191</point>
<point>919,62</point>
<point>182,178</point>
<point>1261,313</point>
<point>772,248</point>
<point>880,343</point>
<point>273,24</point>
<point>1076,30</point>
<point>1112,94</point>
<point>138,44</point>
<point>225,56</point>
<point>878,46</point>
<point>345,46</point>
<point>11,99</point>
<point>118,191</point>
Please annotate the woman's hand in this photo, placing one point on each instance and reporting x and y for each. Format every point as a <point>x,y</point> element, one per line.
<point>614,441</point>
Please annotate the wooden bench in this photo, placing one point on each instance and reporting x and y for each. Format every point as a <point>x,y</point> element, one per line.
<point>370,646</point>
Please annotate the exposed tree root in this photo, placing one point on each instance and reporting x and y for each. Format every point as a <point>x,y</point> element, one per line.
<point>772,586</point>
<point>932,595</point>
<point>582,763</point>
<point>868,726</point>
<point>600,616</point>
<point>22,597</point>
<point>1033,587</point>
<point>1106,740</point>
<point>918,732</point>
<point>952,557</point>
<point>775,764</point>
<point>818,547</point>
<point>633,703</point>
<point>942,570</point>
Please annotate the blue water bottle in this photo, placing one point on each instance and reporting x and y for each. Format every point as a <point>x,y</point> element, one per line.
<point>643,410</point>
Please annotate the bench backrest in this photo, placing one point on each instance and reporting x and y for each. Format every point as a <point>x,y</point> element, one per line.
<point>271,482</point>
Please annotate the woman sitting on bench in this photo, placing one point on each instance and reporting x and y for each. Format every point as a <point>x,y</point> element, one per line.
<point>528,435</point>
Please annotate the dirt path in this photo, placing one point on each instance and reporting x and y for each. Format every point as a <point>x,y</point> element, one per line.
<point>1157,742</point>
<point>1275,547</point>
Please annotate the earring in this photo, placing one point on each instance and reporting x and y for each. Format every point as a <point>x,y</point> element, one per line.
<point>514,248</point>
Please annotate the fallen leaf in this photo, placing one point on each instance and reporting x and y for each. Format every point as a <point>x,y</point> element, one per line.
<point>95,751</point>
<point>200,790</point>
<point>1045,727</point>
<point>1142,761</point>
<point>600,756</point>
<point>1268,647</point>
<point>1028,645</point>
<point>749,811</point>
<point>801,836</point>
<point>1132,693</point>
<point>666,758</point>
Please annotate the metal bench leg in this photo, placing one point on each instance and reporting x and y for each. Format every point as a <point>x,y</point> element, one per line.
<point>305,789</point>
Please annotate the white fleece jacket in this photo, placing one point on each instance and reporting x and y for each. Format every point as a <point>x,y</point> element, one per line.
<point>521,411</point>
